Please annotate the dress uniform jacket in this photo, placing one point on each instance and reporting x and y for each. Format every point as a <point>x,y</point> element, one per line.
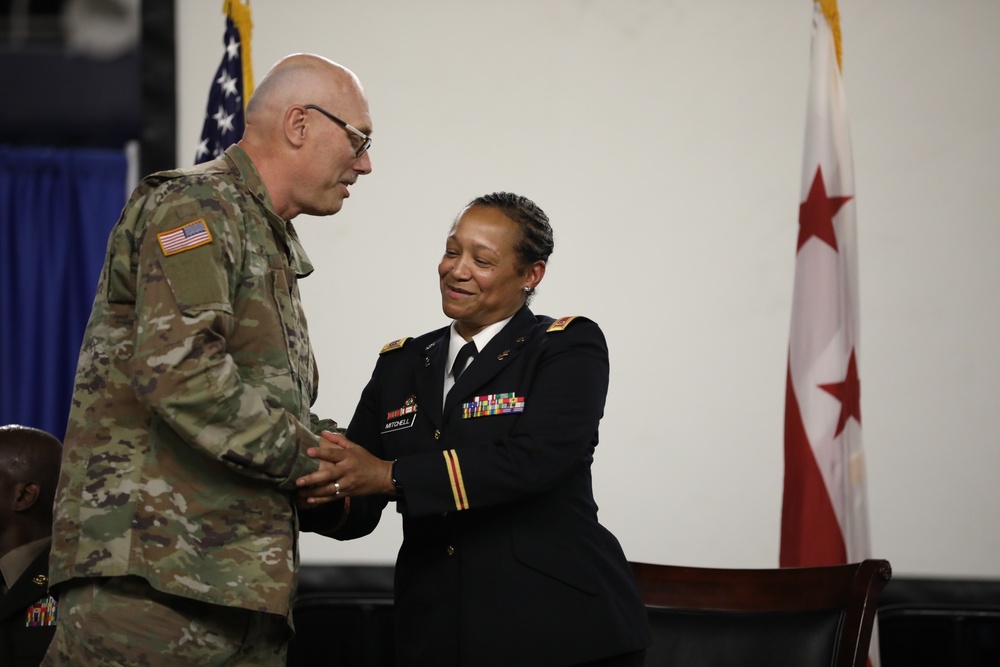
<point>27,616</point>
<point>503,560</point>
<point>191,405</point>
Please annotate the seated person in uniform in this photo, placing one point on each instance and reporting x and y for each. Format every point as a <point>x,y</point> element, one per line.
<point>483,433</point>
<point>29,471</point>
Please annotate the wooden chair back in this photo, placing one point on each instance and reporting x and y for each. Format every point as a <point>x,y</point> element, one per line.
<point>802,616</point>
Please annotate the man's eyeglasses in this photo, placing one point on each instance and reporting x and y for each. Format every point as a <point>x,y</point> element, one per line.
<point>366,141</point>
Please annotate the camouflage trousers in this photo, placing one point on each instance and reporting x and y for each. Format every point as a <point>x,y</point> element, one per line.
<point>123,621</point>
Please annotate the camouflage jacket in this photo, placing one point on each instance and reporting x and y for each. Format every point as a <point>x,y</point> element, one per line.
<point>191,407</point>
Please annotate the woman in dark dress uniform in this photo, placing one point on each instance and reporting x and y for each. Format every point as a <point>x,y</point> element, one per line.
<point>488,459</point>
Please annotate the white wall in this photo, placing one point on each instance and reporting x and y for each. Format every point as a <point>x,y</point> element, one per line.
<point>664,138</point>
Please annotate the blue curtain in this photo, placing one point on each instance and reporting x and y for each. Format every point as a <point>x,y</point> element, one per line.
<point>57,207</point>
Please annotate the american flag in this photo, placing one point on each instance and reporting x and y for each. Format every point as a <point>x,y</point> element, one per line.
<point>190,235</point>
<point>224,120</point>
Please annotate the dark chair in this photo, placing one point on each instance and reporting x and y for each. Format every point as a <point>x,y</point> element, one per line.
<point>342,631</point>
<point>940,622</point>
<point>939,636</point>
<point>343,617</point>
<point>802,616</point>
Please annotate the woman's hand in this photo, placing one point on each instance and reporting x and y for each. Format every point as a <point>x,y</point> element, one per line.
<point>346,469</point>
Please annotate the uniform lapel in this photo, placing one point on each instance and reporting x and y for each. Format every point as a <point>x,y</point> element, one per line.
<point>506,346</point>
<point>31,587</point>
<point>430,379</point>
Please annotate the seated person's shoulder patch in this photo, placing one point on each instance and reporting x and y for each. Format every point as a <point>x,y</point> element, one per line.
<point>394,345</point>
<point>561,323</point>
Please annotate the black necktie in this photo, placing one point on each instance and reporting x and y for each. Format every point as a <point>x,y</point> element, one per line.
<point>467,352</point>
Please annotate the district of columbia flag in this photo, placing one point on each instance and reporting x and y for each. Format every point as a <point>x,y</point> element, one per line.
<point>231,86</point>
<point>824,517</point>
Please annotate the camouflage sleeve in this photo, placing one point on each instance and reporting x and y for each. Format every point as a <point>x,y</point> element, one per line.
<point>211,357</point>
<point>320,425</point>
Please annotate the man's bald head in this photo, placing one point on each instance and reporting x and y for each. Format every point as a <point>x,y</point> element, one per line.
<point>29,472</point>
<point>30,452</point>
<point>307,160</point>
<point>300,78</point>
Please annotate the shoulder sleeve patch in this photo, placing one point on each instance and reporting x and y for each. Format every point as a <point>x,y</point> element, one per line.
<point>394,345</point>
<point>561,323</point>
<point>185,237</point>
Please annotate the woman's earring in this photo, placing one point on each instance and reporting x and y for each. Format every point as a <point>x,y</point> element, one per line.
<point>527,288</point>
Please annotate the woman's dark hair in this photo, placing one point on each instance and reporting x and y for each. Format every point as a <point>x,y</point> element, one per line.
<point>536,242</point>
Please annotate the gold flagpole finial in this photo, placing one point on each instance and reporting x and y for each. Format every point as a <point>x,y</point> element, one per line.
<point>832,15</point>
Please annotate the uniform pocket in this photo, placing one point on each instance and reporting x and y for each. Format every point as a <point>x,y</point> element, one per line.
<point>555,561</point>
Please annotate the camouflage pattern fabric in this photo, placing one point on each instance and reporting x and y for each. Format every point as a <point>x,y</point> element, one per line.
<point>122,621</point>
<point>191,409</point>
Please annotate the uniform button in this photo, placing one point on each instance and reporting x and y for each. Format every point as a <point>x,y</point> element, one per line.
<point>450,550</point>
<point>437,434</point>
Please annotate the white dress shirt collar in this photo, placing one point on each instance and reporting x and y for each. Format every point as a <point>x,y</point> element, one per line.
<point>455,343</point>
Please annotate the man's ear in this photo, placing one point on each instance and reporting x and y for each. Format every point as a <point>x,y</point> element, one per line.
<point>294,124</point>
<point>25,495</point>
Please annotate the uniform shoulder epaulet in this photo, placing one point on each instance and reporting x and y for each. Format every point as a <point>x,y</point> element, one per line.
<point>561,323</point>
<point>394,345</point>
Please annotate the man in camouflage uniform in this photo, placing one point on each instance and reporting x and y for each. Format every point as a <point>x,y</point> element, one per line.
<point>175,527</point>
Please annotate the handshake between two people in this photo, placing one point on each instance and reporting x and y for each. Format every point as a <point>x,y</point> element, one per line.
<point>345,469</point>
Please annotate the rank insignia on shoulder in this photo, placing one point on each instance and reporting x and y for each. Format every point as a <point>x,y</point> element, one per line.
<point>185,237</point>
<point>561,323</point>
<point>394,345</point>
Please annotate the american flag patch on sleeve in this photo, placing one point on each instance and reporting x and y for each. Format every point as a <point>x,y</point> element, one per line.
<point>191,235</point>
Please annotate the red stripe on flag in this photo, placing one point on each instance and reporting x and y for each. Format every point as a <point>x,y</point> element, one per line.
<point>810,533</point>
